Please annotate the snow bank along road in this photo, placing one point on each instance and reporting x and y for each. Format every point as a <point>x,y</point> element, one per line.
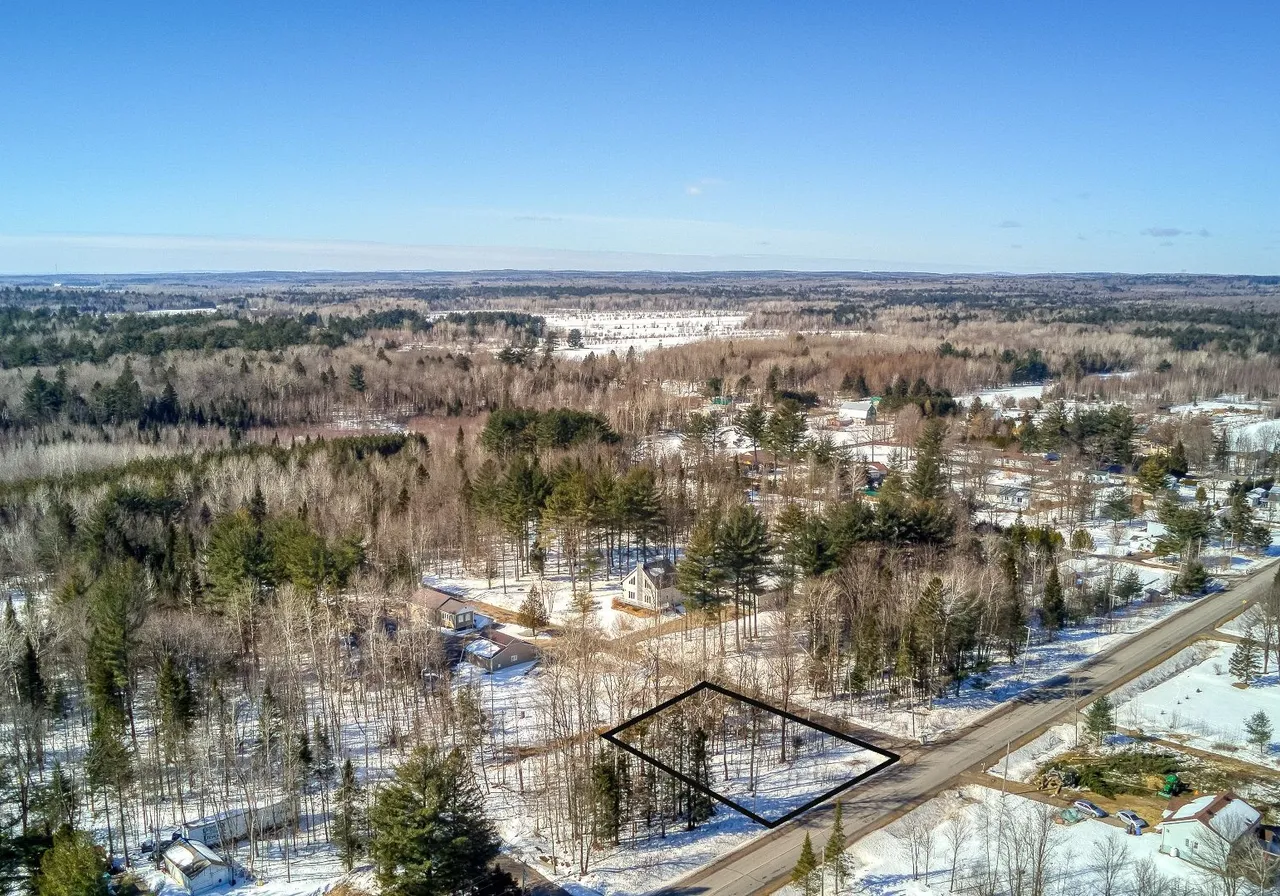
<point>764,864</point>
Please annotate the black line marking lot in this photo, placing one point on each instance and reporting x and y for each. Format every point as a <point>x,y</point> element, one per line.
<point>768,764</point>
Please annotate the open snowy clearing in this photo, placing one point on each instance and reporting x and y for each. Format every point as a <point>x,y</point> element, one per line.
<point>987,837</point>
<point>1201,706</point>
<point>621,331</point>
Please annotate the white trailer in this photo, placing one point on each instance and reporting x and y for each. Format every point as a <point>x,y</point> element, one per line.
<point>233,825</point>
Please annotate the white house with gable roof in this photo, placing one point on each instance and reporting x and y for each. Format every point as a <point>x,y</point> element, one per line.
<point>1203,830</point>
<point>652,586</point>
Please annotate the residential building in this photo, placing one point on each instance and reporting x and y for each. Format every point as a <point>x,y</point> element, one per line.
<point>1204,830</point>
<point>863,411</point>
<point>441,609</point>
<point>877,473</point>
<point>494,651</point>
<point>652,586</point>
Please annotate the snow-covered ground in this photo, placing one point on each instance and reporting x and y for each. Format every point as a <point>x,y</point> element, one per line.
<point>556,591</point>
<point>757,759</point>
<point>1202,707</point>
<point>1021,764</point>
<point>1249,424</point>
<point>1003,395</point>
<point>988,839</point>
<point>619,331</point>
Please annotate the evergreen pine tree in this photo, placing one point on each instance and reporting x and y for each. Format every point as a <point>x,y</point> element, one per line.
<point>833,854</point>
<point>607,794</point>
<point>698,574</point>
<point>533,612</point>
<point>429,832</point>
<point>1100,719</point>
<point>700,805</point>
<point>803,873</point>
<point>355,378</point>
<point>349,823</point>
<point>928,477</point>
<point>753,425</point>
<point>1243,664</point>
<point>1010,616</point>
<point>1054,606</point>
<point>322,751</point>
<point>73,866</point>
<point>1258,731</point>
<point>57,801</point>
<point>176,701</point>
<point>742,552</point>
<point>30,681</point>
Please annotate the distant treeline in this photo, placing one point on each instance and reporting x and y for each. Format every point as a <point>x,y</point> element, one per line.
<point>48,337</point>
<point>122,402</point>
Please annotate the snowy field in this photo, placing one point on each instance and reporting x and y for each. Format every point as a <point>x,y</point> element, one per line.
<point>1202,707</point>
<point>621,331</point>
<point>1005,396</point>
<point>976,839</point>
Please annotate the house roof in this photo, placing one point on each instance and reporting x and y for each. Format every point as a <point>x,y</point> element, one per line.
<point>661,572</point>
<point>492,644</point>
<point>1225,814</point>
<point>660,567</point>
<point>766,458</point>
<point>191,856</point>
<point>435,599</point>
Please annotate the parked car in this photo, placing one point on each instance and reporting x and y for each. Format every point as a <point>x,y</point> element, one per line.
<point>1089,808</point>
<point>1131,818</point>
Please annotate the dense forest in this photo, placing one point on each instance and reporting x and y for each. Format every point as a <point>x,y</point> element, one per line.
<point>211,525</point>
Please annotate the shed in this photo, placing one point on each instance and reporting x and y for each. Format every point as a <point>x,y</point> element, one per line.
<point>495,651</point>
<point>1204,830</point>
<point>195,866</point>
<point>441,609</point>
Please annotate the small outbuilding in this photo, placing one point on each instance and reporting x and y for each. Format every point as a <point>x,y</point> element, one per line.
<point>194,865</point>
<point>441,609</point>
<point>494,651</point>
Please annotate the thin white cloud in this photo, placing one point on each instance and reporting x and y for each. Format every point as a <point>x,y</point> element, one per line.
<point>140,253</point>
<point>702,185</point>
<point>1168,232</point>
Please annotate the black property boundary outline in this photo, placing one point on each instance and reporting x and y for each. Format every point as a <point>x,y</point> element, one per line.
<point>612,737</point>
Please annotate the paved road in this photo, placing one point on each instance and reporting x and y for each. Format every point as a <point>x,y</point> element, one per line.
<point>763,864</point>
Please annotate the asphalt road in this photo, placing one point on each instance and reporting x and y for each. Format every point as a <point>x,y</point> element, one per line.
<point>765,863</point>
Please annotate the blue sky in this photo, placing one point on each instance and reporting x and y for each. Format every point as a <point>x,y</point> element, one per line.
<point>1040,136</point>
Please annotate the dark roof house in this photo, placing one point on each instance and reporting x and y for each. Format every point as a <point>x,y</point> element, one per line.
<point>441,609</point>
<point>494,651</point>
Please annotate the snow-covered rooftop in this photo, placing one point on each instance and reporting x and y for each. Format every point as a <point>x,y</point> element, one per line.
<point>1224,813</point>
